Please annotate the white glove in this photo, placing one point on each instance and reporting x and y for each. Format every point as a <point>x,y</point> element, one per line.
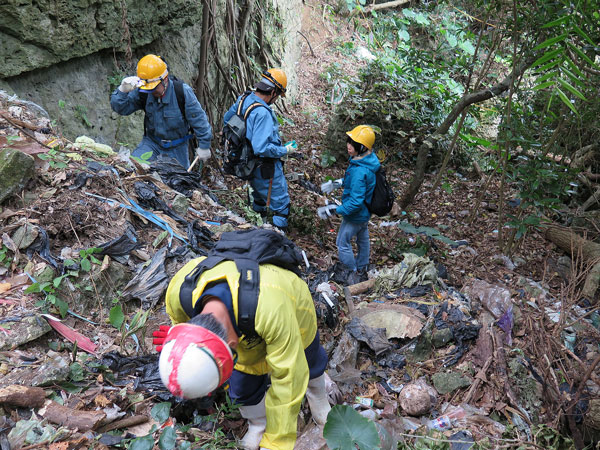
<point>291,146</point>
<point>329,186</point>
<point>203,153</point>
<point>327,211</point>
<point>129,84</point>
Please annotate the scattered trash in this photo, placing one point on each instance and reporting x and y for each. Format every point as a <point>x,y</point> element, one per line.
<point>121,246</point>
<point>374,338</point>
<point>412,271</point>
<point>150,281</point>
<point>177,177</point>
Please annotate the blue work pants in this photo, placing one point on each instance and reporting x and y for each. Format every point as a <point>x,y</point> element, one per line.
<point>280,200</point>
<point>248,390</point>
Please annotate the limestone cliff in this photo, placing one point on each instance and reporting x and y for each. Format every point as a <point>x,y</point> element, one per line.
<point>68,56</point>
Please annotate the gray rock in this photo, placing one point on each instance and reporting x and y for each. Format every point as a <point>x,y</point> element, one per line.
<point>53,370</point>
<point>441,337</point>
<point>16,168</point>
<point>25,235</point>
<point>180,204</point>
<point>449,381</point>
<point>22,330</point>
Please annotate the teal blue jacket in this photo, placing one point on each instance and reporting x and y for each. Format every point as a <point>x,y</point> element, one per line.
<point>359,182</point>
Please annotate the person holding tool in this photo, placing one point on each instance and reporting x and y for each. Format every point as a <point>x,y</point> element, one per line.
<point>174,117</point>
<point>270,190</point>
<point>359,184</point>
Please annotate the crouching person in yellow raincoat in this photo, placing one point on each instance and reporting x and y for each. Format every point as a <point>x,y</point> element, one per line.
<point>197,355</point>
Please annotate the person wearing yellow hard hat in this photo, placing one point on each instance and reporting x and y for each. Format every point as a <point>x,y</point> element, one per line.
<point>270,190</point>
<point>205,348</point>
<point>174,120</point>
<point>358,184</point>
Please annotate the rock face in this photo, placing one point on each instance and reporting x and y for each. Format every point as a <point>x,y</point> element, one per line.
<point>69,56</point>
<point>38,34</point>
<point>16,168</point>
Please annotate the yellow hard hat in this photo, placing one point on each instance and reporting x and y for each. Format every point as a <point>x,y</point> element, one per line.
<point>363,134</point>
<point>151,69</point>
<point>274,78</point>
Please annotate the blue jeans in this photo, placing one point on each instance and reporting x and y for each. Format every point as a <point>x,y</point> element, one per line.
<point>246,389</point>
<point>348,230</point>
<point>180,153</point>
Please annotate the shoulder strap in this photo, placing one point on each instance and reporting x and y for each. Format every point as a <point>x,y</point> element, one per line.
<point>247,294</point>
<point>250,108</point>
<point>178,85</point>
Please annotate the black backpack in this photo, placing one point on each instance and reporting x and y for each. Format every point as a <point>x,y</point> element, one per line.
<point>249,249</point>
<point>383,196</point>
<point>239,159</point>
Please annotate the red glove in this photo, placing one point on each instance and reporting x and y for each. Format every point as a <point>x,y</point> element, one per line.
<point>159,336</point>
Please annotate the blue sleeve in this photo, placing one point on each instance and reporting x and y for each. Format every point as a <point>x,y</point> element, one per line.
<point>263,135</point>
<point>196,118</point>
<point>357,186</point>
<point>125,103</point>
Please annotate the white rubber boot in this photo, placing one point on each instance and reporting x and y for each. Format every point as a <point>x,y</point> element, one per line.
<point>317,399</point>
<point>257,422</point>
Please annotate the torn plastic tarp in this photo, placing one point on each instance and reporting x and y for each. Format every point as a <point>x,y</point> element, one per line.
<point>199,234</point>
<point>150,282</point>
<point>121,246</point>
<point>412,271</point>
<point>462,330</point>
<point>176,176</point>
<point>147,378</point>
<point>41,245</point>
<point>133,206</point>
<point>398,321</point>
<point>147,194</point>
<point>373,337</point>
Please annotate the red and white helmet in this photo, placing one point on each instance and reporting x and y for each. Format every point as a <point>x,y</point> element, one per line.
<point>194,361</point>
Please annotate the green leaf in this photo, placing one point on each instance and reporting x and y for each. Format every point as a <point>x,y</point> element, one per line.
<point>346,428</point>
<point>168,439</point>
<point>142,443</point>
<point>160,412</point>
<point>560,21</point>
<point>571,89</point>
<point>544,85</point>
<point>63,307</point>
<point>33,289</point>
<point>547,76</point>
<point>76,372</point>
<point>551,41</point>
<point>547,57</point>
<point>86,265</point>
<point>116,316</point>
<point>566,100</point>
<point>581,54</point>
<point>584,35</point>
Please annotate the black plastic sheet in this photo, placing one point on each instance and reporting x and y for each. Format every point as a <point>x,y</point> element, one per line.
<point>177,177</point>
<point>41,245</point>
<point>198,234</point>
<point>150,281</point>
<point>147,195</point>
<point>121,246</point>
<point>375,338</point>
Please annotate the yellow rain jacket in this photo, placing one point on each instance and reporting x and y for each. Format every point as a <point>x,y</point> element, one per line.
<point>287,323</point>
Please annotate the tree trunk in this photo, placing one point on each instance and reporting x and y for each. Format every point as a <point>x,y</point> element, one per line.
<point>430,141</point>
<point>573,244</point>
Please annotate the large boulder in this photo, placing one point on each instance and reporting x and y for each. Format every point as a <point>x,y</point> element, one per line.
<point>16,168</point>
<point>37,34</point>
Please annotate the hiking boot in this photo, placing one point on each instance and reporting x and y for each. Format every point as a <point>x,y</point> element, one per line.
<point>353,278</point>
